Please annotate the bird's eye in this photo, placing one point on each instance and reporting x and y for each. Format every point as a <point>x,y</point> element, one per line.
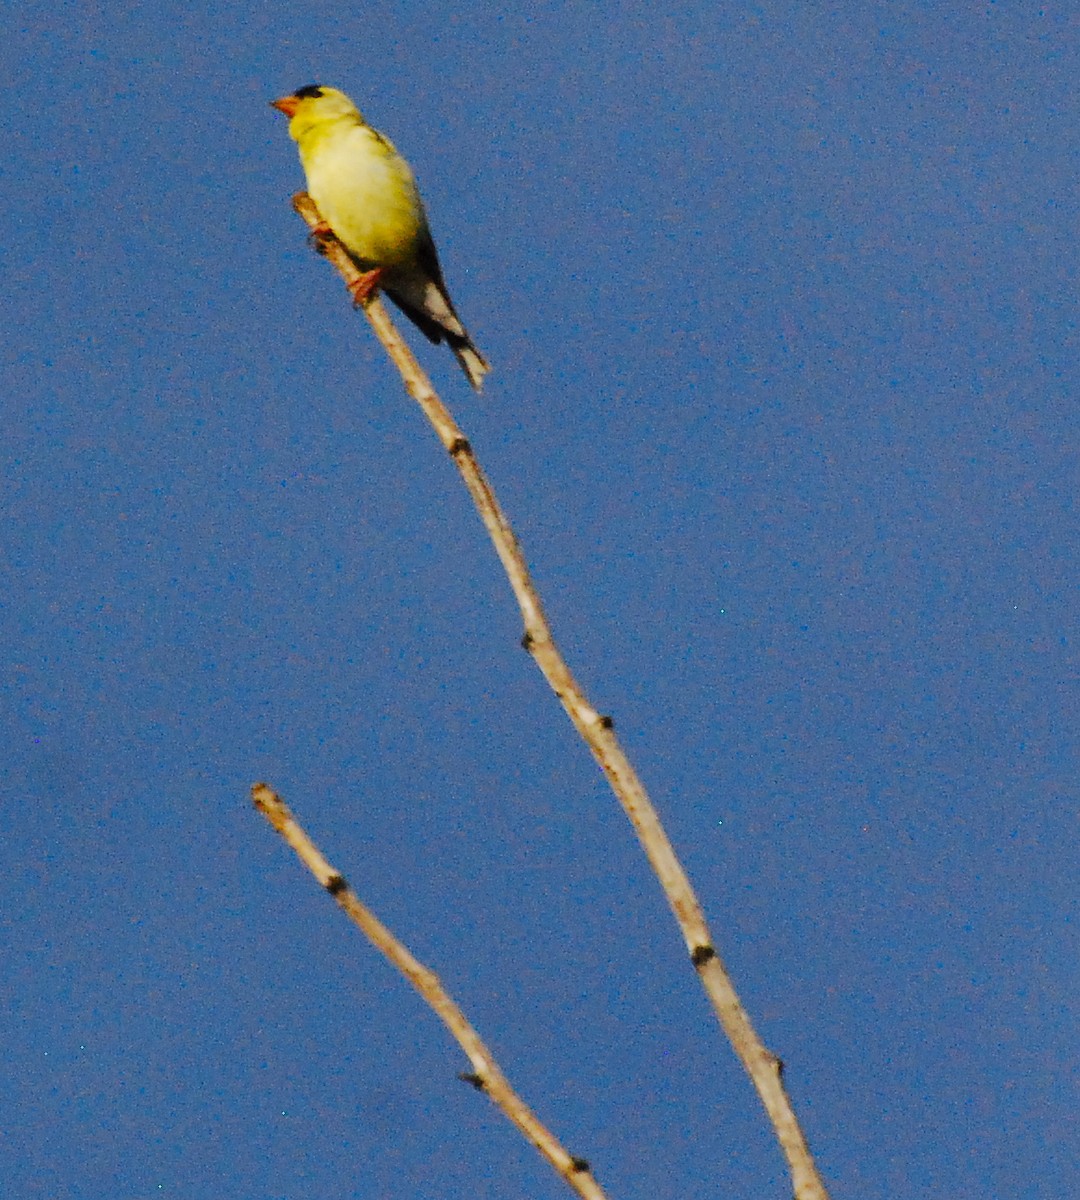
<point>312,92</point>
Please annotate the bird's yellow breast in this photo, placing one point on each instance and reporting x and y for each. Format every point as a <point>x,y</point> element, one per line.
<point>365,192</point>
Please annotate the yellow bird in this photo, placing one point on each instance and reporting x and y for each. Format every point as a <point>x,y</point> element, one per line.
<point>366,193</point>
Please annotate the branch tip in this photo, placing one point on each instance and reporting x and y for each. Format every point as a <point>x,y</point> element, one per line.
<point>266,800</point>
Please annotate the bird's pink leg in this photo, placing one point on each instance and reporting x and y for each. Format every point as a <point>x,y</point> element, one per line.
<point>364,287</point>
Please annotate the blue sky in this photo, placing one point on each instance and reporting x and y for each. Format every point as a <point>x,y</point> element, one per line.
<point>781,308</point>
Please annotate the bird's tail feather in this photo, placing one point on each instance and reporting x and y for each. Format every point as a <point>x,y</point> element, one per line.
<point>443,324</point>
<point>473,363</point>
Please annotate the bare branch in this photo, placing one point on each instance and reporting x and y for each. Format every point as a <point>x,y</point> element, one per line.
<point>485,1074</point>
<point>598,733</point>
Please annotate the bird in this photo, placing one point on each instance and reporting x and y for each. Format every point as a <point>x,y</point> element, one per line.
<point>367,196</point>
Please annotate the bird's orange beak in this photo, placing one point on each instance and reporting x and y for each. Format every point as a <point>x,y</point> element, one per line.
<point>287,104</point>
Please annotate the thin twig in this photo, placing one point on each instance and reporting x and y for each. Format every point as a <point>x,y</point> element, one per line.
<point>597,730</point>
<point>485,1074</point>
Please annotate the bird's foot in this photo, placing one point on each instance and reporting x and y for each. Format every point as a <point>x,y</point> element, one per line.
<point>318,236</point>
<point>365,287</point>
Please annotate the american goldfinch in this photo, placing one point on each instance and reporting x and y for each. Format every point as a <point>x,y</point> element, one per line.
<point>366,193</point>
